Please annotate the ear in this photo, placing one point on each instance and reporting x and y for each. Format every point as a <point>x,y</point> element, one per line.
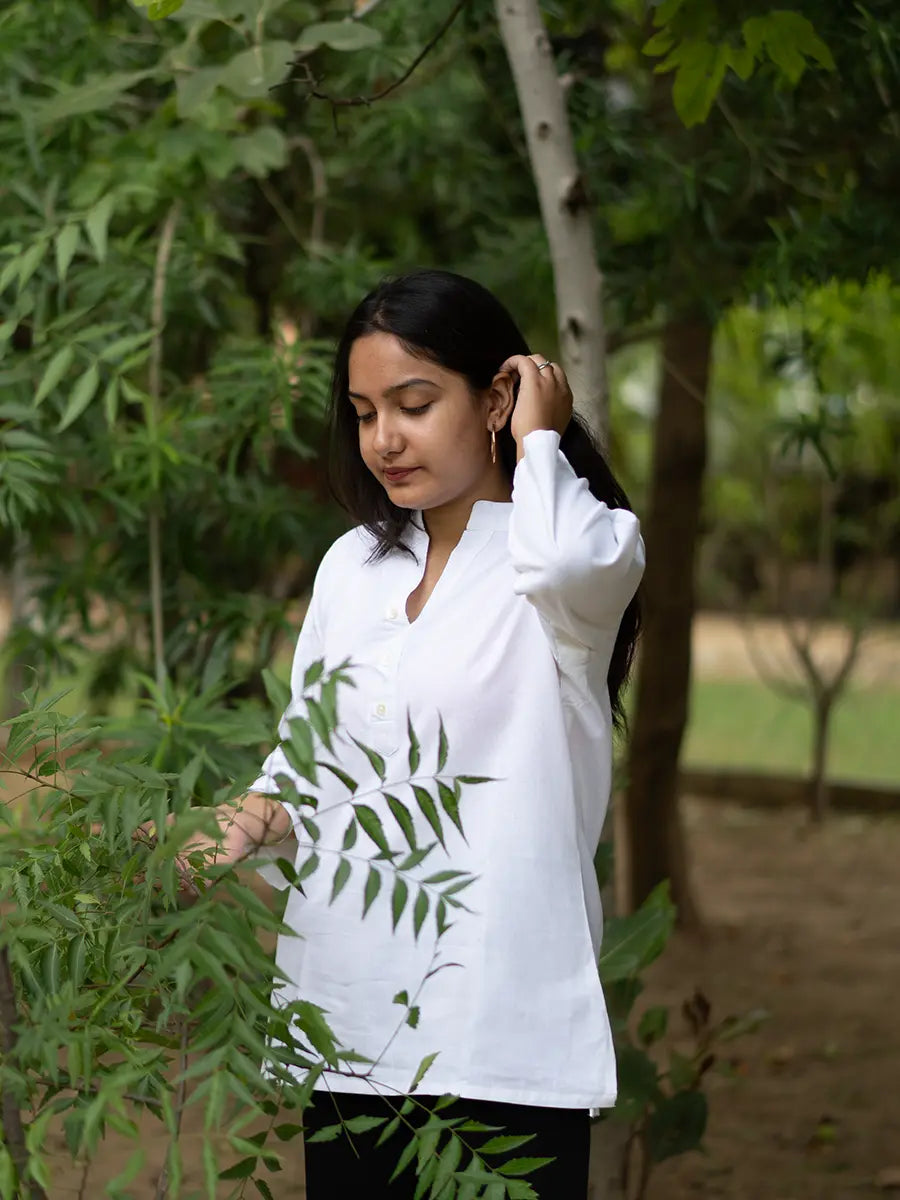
<point>501,399</point>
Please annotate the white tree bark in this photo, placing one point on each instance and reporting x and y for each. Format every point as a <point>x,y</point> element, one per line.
<point>564,206</point>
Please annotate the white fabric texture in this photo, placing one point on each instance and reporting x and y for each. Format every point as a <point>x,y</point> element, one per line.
<point>512,650</point>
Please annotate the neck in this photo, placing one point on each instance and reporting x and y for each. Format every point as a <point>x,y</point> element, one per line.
<point>446,522</point>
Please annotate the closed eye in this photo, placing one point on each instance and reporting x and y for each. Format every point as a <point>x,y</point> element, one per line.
<point>365,418</point>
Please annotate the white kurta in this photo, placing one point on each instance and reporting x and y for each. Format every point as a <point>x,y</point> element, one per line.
<point>512,650</point>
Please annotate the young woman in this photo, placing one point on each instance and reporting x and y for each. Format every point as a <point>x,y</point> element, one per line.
<point>489,583</point>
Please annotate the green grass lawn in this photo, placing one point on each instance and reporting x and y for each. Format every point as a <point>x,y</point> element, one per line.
<point>744,724</point>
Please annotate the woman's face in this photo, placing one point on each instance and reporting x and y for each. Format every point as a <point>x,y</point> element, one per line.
<point>418,417</point>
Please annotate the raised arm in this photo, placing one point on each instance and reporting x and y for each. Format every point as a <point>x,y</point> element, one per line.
<point>576,559</point>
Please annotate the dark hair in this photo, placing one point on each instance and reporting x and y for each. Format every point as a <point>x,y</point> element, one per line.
<point>447,319</point>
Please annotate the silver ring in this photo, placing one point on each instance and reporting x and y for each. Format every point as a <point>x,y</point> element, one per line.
<point>541,366</point>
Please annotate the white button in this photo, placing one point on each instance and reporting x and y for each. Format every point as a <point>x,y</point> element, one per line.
<point>392,613</point>
<point>380,710</point>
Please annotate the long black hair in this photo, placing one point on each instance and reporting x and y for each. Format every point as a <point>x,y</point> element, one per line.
<point>454,322</point>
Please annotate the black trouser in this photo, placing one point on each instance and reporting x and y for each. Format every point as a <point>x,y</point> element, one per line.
<point>338,1169</point>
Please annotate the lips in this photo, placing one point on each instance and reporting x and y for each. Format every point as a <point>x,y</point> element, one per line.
<point>397,474</point>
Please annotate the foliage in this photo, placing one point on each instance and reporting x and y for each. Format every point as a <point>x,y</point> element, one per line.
<point>686,41</point>
<point>131,998</point>
<point>665,1109</point>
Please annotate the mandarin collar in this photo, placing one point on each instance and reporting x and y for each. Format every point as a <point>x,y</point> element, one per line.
<point>485,514</point>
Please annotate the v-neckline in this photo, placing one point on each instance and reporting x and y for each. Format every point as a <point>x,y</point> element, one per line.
<point>423,539</point>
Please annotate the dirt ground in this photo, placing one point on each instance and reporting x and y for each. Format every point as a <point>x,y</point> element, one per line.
<point>804,923</point>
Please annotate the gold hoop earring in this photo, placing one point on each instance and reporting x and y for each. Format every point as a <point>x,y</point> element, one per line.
<point>493,446</point>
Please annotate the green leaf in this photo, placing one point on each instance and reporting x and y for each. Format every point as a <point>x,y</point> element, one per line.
<point>661,43</point>
<point>350,835</point>
<point>320,723</point>
<point>742,60</point>
<point>116,350</point>
<point>362,1124</point>
<point>100,93</point>
<point>371,823</point>
<point>653,1024</point>
<point>472,779</point>
<point>253,72</point>
<point>404,820</point>
<point>313,673</point>
<point>443,746</point>
<point>522,1166</point>
<point>298,749</point>
<point>398,900</point>
<point>66,244</point>
<point>700,73</point>
<point>339,773</point>
<point>373,887</point>
<point>241,1170</point>
<point>316,1028</point>
<point>97,225</point>
<point>111,400</point>
<point>55,370</point>
<point>310,865</point>
<point>261,152</point>
<point>638,1082</point>
<point>450,805</point>
<point>341,875</point>
<point>414,749</point>
<point>423,1067</point>
<point>277,690</point>
<point>375,759</point>
<point>157,9</point>
<point>631,943</point>
<point>31,260</point>
<point>339,35</point>
<point>430,812</point>
<point>677,1125</point>
<point>420,911</point>
<point>81,396</point>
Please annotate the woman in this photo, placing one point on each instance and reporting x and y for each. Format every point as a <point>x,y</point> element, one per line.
<point>489,584</point>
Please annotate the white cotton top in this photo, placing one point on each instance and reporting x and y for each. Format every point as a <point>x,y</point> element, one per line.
<point>512,650</point>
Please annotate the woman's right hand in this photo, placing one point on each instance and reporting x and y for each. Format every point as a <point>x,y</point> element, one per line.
<point>245,825</point>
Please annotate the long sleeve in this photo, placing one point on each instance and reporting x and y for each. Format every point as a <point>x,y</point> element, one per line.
<point>576,559</point>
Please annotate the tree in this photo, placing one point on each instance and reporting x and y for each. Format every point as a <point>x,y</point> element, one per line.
<point>693,220</point>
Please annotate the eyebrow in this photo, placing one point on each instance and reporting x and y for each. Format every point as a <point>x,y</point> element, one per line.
<point>395,388</point>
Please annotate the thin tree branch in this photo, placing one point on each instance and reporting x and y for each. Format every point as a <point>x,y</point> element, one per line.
<point>157,317</point>
<point>320,191</point>
<point>271,194</point>
<point>162,1183</point>
<point>359,101</point>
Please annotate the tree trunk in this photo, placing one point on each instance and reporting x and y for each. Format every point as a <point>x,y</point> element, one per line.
<point>656,849</point>
<point>565,210</point>
<point>819,781</point>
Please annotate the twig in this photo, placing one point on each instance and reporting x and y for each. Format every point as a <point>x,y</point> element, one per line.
<point>358,101</point>
<point>271,194</point>
<point>157,313</point>
<point>162,1183</point>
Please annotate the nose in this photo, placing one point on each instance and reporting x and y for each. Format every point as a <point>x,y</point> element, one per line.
<point>387,438</point>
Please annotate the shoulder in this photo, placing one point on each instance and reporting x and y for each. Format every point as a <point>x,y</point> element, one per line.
<point>347,553</point>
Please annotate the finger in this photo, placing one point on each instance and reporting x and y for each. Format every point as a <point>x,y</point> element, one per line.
<point>518,362</point>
